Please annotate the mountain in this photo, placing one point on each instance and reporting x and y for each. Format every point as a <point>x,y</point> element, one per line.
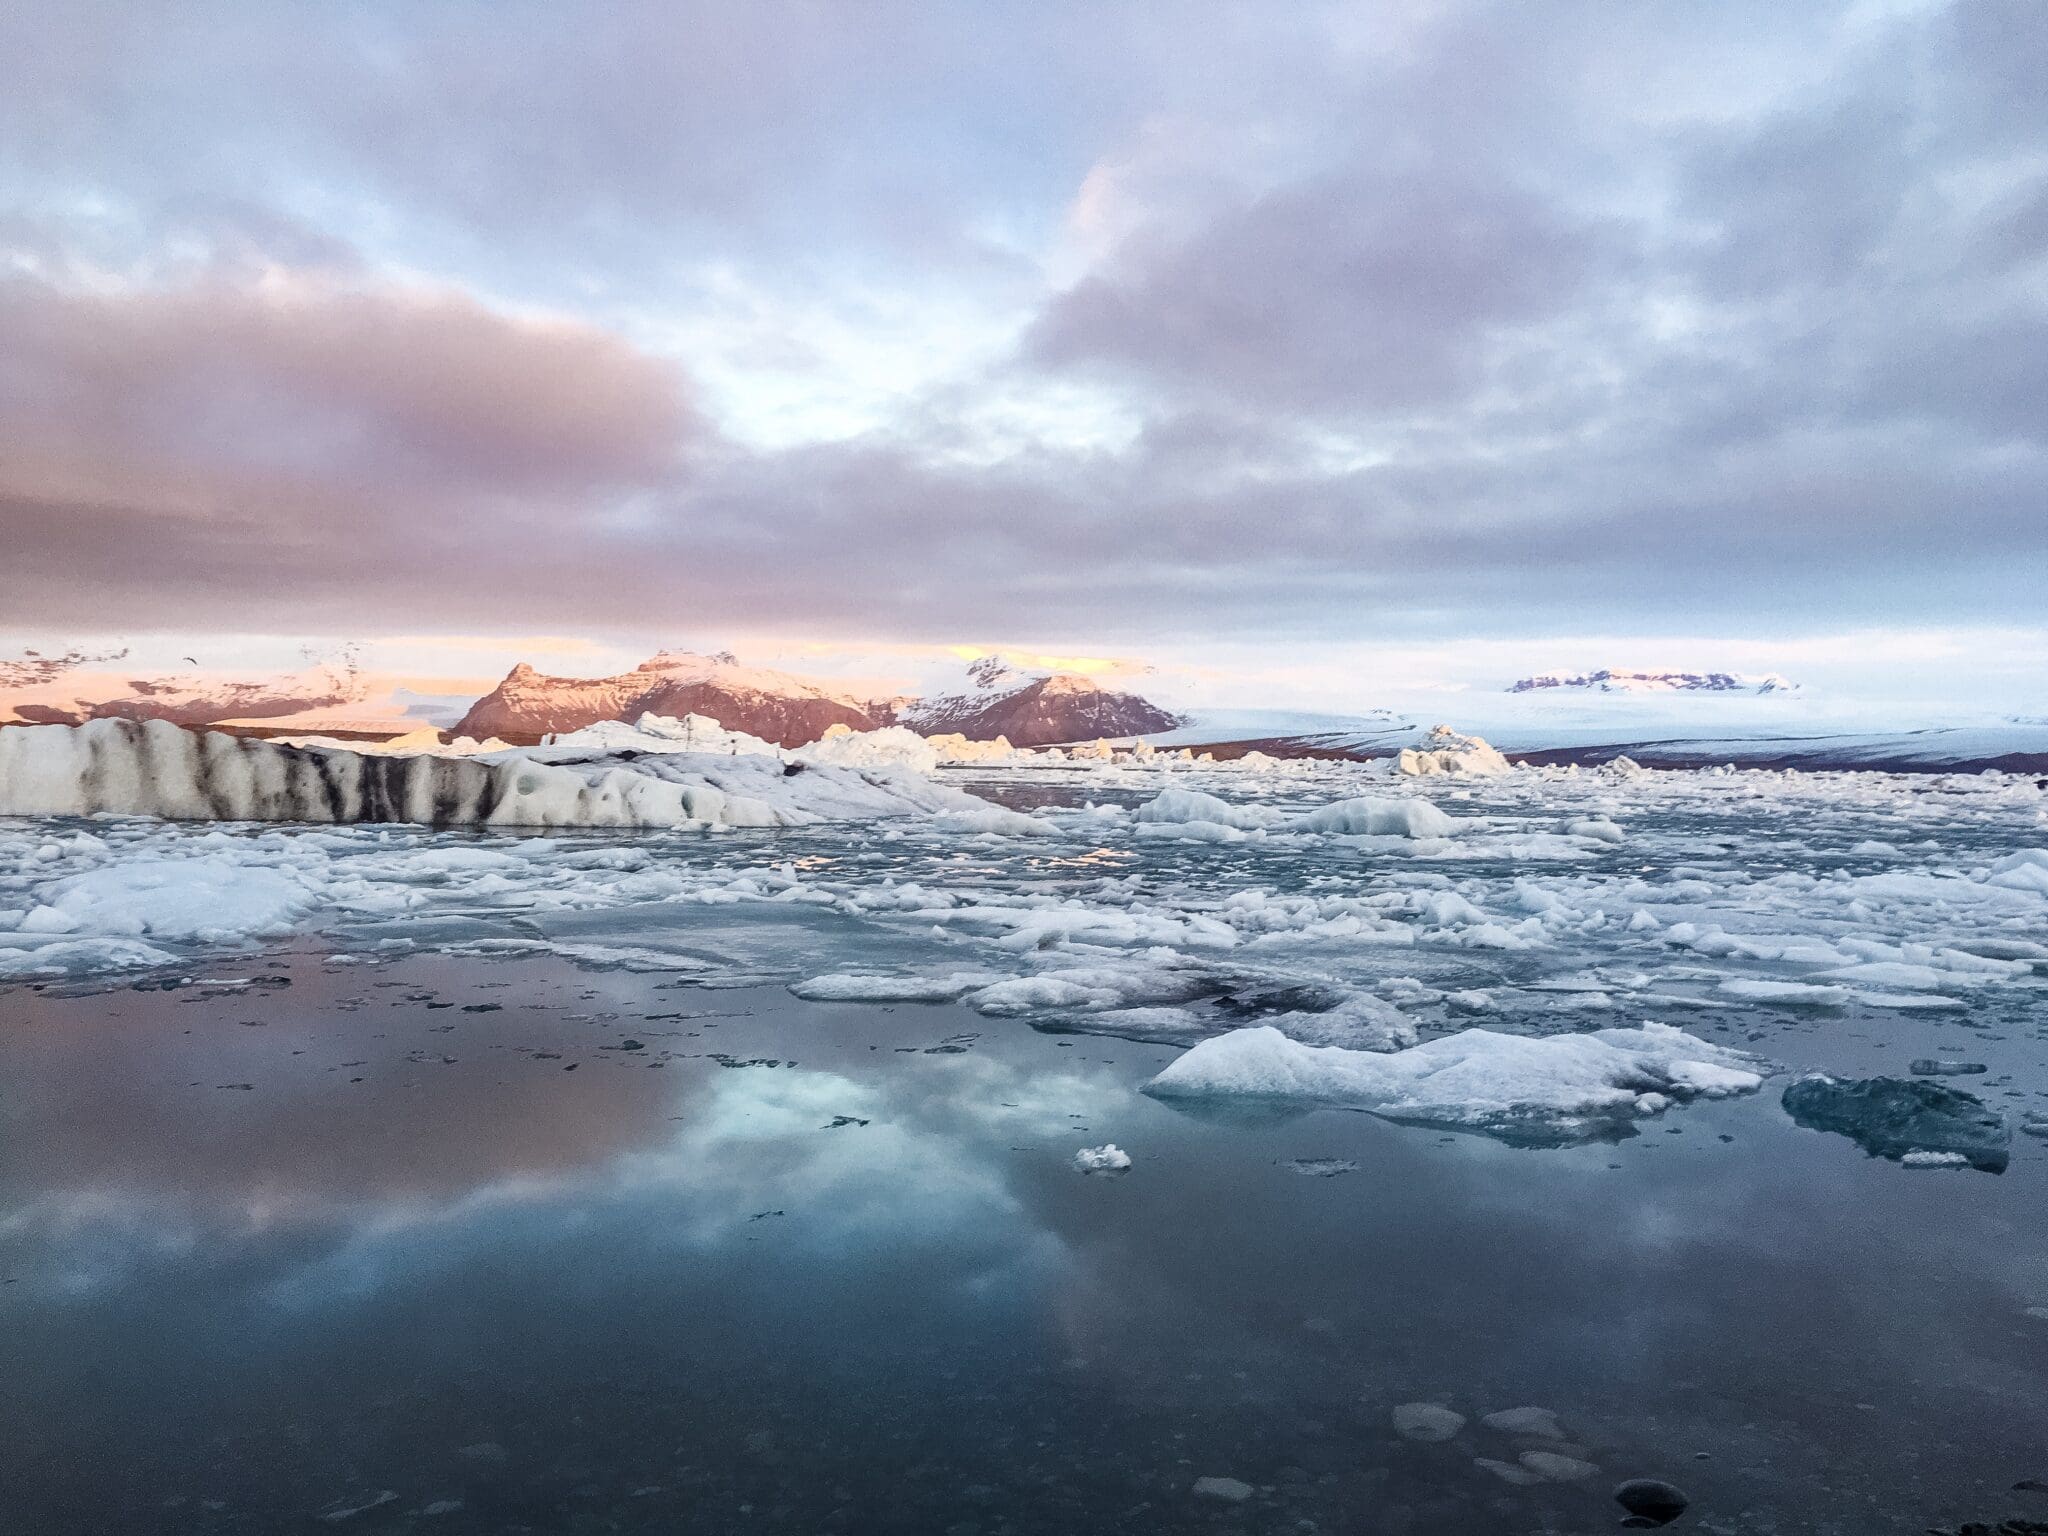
<point>995,700</point>
<point>1035,711</point>
<point>774,706</point>
<point>63,690</point>
<point>1609,680</point>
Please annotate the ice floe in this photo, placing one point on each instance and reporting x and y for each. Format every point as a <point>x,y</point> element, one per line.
<point>1557,1086</point>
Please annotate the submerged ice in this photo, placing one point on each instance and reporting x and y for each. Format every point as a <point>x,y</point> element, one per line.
<point>1906,1120</point>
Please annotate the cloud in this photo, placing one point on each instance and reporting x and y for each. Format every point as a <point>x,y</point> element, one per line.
<point>219,389</point>
<point>1443,317</point>
<point>1362,289</point>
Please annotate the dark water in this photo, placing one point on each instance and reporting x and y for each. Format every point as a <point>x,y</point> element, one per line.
<point>802,1268</point>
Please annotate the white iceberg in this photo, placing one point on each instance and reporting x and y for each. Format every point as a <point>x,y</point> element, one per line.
<point>1108,1158</point>
<point>1555,1087</point>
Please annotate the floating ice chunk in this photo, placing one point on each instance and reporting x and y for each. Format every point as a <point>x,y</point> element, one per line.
<point>1558,1087</point>
<point>890,746</point>
<point>1190,831</point>
<point>1184,806</point>
<point>74,957</point>
<point>1890,973</point>
<point>1934,1160</point>
<point>1107,1158</point>
<point>1893,1117</point>
<point>844,987</point>
<point>1930,1066</point>
<point>2026,870</point>
<point>209,899</point>
<point>664,733</point>
<point>996,821</point>
<point>1380,818</point>
<point>1361,1023</point>
<point>1444,750</point>
<point>1597,828</point>
<point>1228,1489</point>
<point>1091,988</point>
<point>1802,994</point>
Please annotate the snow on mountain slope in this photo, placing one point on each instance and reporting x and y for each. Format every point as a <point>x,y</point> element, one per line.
<point>1036,711</point>
<point>780,707</point>
<point>775,706</point>
<point>1612,680</point>
<point>74,688</point>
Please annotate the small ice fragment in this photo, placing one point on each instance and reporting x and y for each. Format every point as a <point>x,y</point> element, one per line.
<point>1508,1472</point>
<point>1107,1158</point>
<point>1429,1422</point>
<point>1934,1160</point>
<point>1930,1066</point>
<point>1320,1167</point>
<point>1228,1489</point>
<point>1597,828</point>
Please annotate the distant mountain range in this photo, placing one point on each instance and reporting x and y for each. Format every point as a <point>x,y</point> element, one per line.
<point>1029,709</point>
<point>68,690</point>
<point>1611,680</point>
<point>775,706</point>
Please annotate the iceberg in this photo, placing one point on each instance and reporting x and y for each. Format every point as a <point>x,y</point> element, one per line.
<point>154,768</point>
<point>1550,1089</point>
<point>1444,750</point>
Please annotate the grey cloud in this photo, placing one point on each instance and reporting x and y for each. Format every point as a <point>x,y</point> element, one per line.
<point>226,397</point>
<point>1513,316</point>
<point>1362,289</point>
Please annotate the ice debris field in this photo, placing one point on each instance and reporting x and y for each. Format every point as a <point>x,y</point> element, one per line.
<point>1537,953</point>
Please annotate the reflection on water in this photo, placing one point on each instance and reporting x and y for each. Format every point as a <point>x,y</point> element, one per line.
<point>528,1248</point>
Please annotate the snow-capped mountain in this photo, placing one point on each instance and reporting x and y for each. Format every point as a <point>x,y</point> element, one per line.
<point>775,706</point>
<point>995,700</point>
<point>75,687</point>
<point>1613,680</point>
<point>1035,711</point>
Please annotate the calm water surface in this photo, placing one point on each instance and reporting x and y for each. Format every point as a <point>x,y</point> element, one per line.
<point>353,1248</point>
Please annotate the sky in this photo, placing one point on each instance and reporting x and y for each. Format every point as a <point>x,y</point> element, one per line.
<point>1431,342</point>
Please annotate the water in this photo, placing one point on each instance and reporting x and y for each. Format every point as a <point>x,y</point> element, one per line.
<point>352,1226</point>
<point>665,1291</point>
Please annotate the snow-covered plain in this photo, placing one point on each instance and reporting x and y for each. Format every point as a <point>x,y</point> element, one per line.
<point>1338,933</point>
